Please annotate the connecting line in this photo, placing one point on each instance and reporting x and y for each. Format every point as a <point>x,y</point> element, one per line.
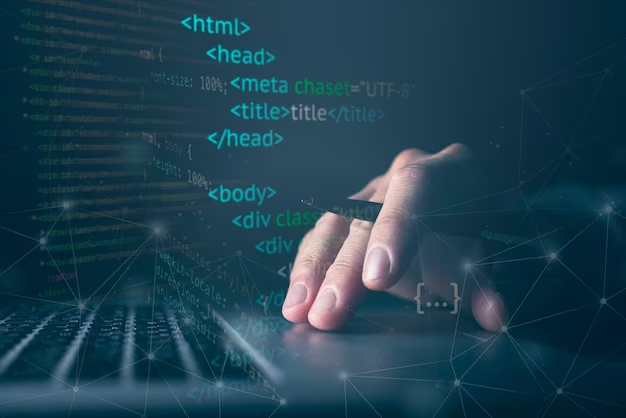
<point>112,373</point>
<point>548,317</point>
<point>579,279</point>
<point>468,201</point>
<point>592,367</point>
<point>399,367</point>
<point>441,239</point>
<point>529,291</point>
<point>55,222</point>
<point>19,233</point>
<point>578,405</point>
<point>365,399</point>
<point>260,265</point>
<point>544,168</point>
<point>473,347</point>
<point>203,354</point>
<point>481,355</point>
<point>569,80</point>
<point>606,253</point>
<point>171,390</point>
<point>577,235</point>
<point>34,397</point>
<point>113,403</point>
<point>511,261</point>
<point>525,363</point>
<point>345,397</point>
<point>11,266</point>
<point>122,275</point>
<point>592,102</point>
<point>587,58</point>
<point>62,275</point>
<point>29,210</point>
<point>582,345</point>
<point>114,218</point>
<point>46,372</point>
<point>69,228</point>
<point>74,306</point>
<point>121,265</point>
<point>474,399</point>
<point>126,337</point>
<point>462,403</point>
<point>523,243</point>
<point>277,408</point>
<point>595,399</point>
<point>546,121</point>
<point>208,381</point>
<point>243,265</point>
<point>549,406</point>
<point>532,218</point>
<point>405,379</point>
<point>521,136</point>
<point>444,402</point>
<point>500,389</point>
<point>156,258</point>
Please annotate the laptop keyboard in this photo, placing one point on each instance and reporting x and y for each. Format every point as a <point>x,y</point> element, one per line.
<point>114,343</point>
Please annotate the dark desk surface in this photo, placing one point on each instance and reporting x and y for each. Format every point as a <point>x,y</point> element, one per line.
<point>389,363</point>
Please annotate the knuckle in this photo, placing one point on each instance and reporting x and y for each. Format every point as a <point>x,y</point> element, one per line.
<point>397,221</point>
<point>326,220</point>
<point>415,172</point>
<point>359,226</point>
<point>458,150</point>
<point>341,268</point>
<point>407,156</point>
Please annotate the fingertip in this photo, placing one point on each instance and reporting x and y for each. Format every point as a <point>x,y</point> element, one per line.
<point>378,269</point>
<point>489,309</point>
<point>295,308</point>
<point>323,314</point>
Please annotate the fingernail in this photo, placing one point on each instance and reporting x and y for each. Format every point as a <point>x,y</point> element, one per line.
<point>325,301</point>
<point>297,294</point>
<point>378,265</point>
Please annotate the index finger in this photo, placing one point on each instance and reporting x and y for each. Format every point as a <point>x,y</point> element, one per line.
<point>393,241</point>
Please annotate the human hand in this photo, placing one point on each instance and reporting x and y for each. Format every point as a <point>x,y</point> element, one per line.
<point>340,258</point>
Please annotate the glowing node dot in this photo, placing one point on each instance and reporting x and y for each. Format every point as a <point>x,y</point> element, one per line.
<point>81,306</point>
<point>522,92</point>
<point>343,375</point>
<point>504,328</point>
<point>75,389</point>
<point>219,384</point>
<point>151,356</point>
<point>239,253</point>
<point>283,402</point>
<point>436,304</point>
<point>66,205</point>
<point>553,256</point>
<point>187,321</point>
<point>559,391</point>
<point>603,301</point>
<point>42,241</point>
<point>157,230</point>
<point>468,266</point>
<point>457,382</point>
<point>608,209</point>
